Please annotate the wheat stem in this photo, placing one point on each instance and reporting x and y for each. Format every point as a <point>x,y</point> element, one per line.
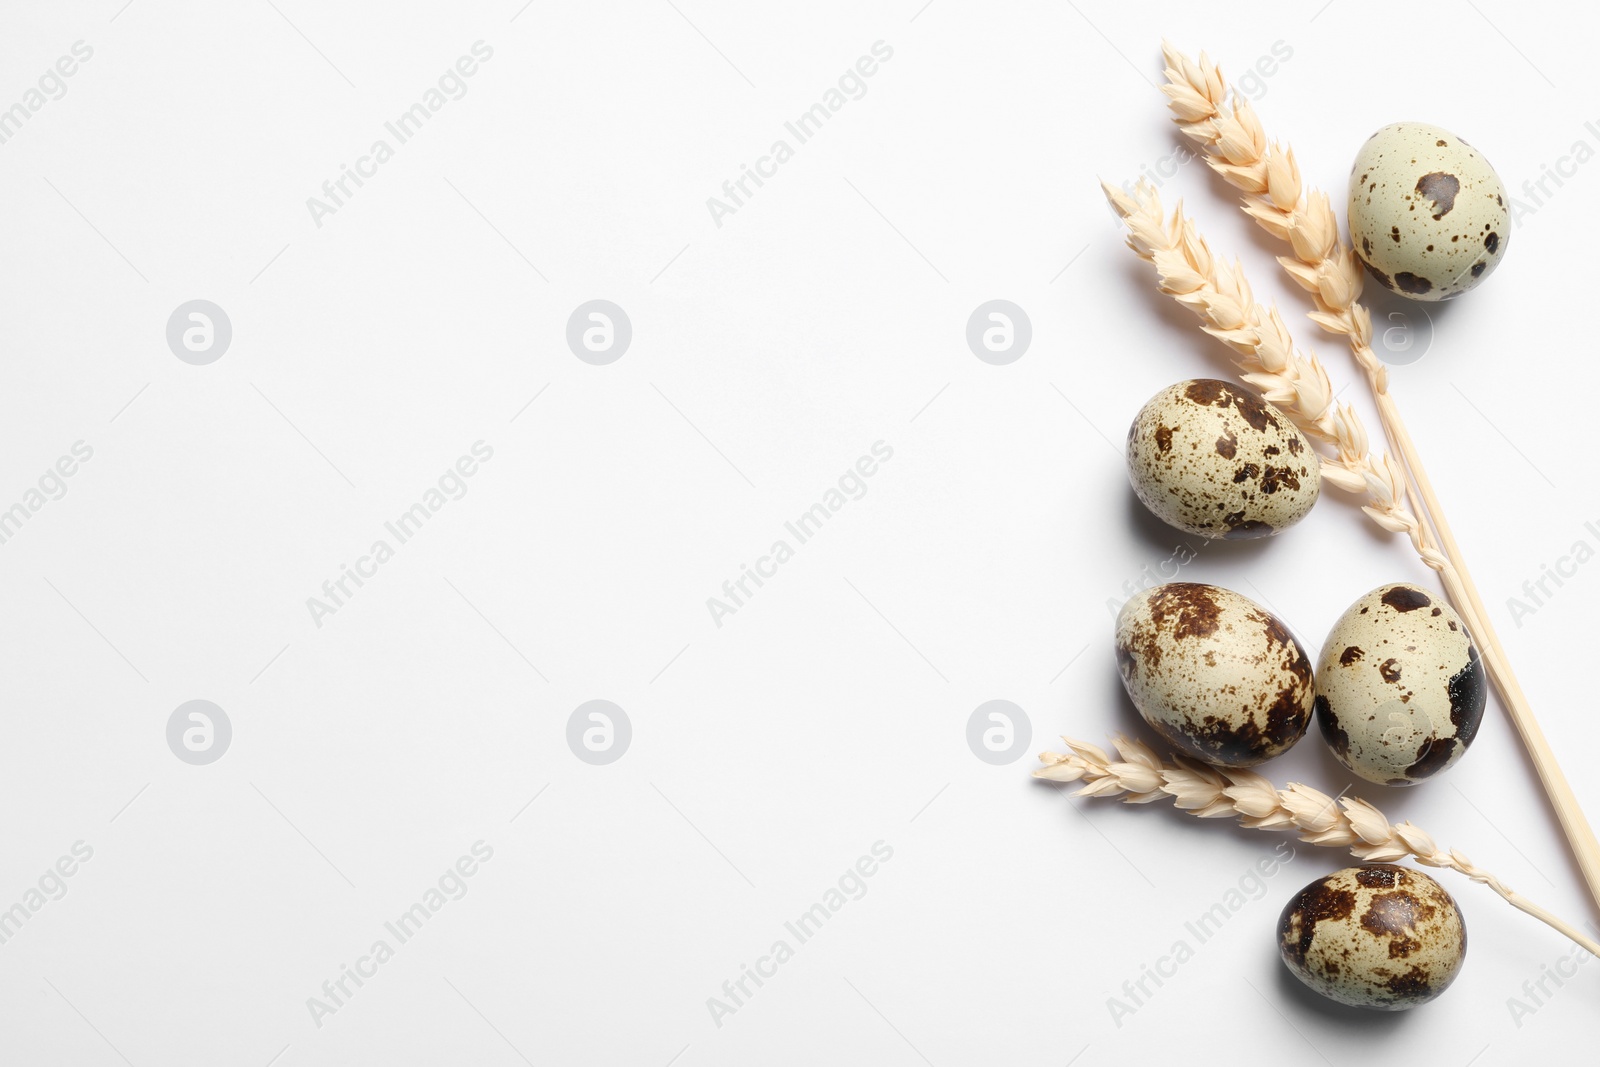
<point>1139,776</point>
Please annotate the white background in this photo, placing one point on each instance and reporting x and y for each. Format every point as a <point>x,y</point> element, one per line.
<point>768,354</point>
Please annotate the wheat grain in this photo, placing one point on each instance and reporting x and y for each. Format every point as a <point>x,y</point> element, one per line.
<point>1139,776</point>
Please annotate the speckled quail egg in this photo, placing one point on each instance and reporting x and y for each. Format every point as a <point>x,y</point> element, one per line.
<point>1428,215</point>
<point>1400,688</point>
<point>1374,936</point>
<point>1217,461</point>
<point>1215,674</point>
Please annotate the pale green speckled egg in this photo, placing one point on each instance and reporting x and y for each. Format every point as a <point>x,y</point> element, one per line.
<point>1215,460</point>
<point>1428,215</point>
<point>1374,936</point>
<point>1400,686</point>
<point>1216,675</point>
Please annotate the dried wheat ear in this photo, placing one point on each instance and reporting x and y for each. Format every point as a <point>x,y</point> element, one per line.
<point>1139,776</point>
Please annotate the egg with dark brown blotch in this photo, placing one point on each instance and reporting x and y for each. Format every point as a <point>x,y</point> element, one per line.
<point>1374,936</point>
<point>1217,461</point>
<point>1400,686</point>
<point>1215,674</point>
<point>1429,217</point>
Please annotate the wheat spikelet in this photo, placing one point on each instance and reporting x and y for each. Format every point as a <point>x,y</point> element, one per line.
<point>1265,355</point>
<point>1139,776</point>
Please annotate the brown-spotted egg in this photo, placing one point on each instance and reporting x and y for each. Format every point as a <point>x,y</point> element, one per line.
<point>1374,936</point>
<point>1215,674</point>
<point>1400,687</point>
<point>1428,215</point>
<point>1217,461</point>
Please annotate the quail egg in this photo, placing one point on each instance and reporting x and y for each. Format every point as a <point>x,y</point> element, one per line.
<point>1400,687</point>
<point>1217,461</point>
<point>1428,215</point>
<point>1374,936</point>
<point>1215,674</point>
